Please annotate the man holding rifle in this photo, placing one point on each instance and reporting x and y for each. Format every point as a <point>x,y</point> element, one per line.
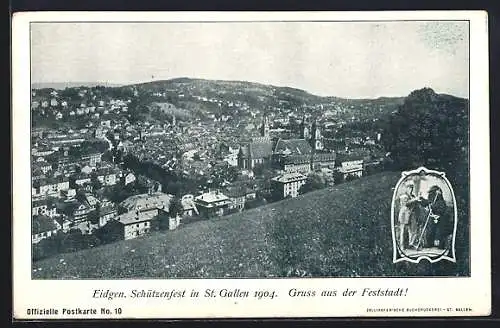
<point>406,218</point>
<point>435,229</point>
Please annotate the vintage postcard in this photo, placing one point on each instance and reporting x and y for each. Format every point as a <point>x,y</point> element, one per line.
<point>259,164</point>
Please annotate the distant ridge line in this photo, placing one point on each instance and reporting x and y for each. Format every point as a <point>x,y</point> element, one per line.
<point>302,92</point>
<point>63,85</point>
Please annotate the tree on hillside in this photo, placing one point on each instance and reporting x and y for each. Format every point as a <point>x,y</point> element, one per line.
<point>75,240</point>
<point>161,221</point>
<point>95,183</point>
<point>314,182</point>
<point>175,207</point>
<point>433,130</point>
<point>222,173</point>
<point>45,248</point>
<point>254,203</point>
<point>71,94</point>
<point>338,177</point>
<point>110,232</point>
<point>118,193</point>
<point>428,129</point>
<point>351,177</point>
<point>93,217</point>
<point>262,170</point>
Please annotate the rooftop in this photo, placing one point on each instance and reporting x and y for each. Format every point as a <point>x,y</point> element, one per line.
<point>260,149</point>
<point>107,210</point>
<point>147,201</point>
<point>42,202</point>
<point>292,146</point>
<point>132,217</point>
<point>50,180</point>
<point>212,196</point>
<point>236,191</point>
<point>289,177</point>
<point>351,169</point>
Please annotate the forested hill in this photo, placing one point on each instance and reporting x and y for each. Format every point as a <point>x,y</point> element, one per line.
<point>202,95</point>
<point>244,89</point>
<point>203,98</point>
<point>64,85</point>
<point>430,129</point>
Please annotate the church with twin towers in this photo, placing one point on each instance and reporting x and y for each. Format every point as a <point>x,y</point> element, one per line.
<point>301,155</point>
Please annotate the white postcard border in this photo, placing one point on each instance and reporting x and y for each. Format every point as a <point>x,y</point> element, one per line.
<point>464,293</point>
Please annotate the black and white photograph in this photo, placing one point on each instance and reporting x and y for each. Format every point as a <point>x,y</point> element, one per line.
<point>424,217</point>
<point>214,150</point>
<point>254,148</point>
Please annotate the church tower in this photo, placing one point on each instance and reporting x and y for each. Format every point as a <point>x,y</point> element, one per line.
<point>316,138</point>
<point>264,128</point>
<point>304,129</point>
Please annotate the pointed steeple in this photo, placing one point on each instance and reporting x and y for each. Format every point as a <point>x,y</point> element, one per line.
<point>304,129</point>
<point>316,138</point>
<point>264,128</point>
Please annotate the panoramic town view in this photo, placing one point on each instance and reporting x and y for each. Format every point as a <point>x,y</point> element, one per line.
<point>211,178</point>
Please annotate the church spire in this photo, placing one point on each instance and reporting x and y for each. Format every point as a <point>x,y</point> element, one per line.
<point>304,129</point>
<point>316,138</point>
<point>264,128</point>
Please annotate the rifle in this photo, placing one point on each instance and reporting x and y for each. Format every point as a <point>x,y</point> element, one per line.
<point>426,221</point>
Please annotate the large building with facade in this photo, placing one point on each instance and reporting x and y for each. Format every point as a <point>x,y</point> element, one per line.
<point>134,224</point>
<point>212,203</point>
<point>288,155</point>
<point>350,166</point>
<point>288,184</point>
<point>151,203</point>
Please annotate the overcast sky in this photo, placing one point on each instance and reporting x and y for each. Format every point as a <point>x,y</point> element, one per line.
<point>357,60</point>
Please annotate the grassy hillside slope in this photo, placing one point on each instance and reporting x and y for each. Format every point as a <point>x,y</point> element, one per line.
<point>342,231</point>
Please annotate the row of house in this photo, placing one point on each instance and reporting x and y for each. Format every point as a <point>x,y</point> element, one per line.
<point>137,212</point>
<point>50,186</point>
<point>65,185</point>
<point>87,213</point>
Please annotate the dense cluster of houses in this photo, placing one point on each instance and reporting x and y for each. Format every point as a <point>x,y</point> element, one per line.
<point>295,158</point>
<point>132,217</point>
<point>64,195</point>
<point>85,103</point>
<point>67,187</point>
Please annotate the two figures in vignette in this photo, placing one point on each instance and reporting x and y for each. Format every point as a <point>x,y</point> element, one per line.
<point>424,222</point>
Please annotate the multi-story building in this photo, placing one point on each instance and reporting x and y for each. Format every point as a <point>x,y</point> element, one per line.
<point>350,166</point>
<point>288,184</point>
<point>148,204</point>
<point>107,176</point>
<point>81,211</point>
<point>43,166</point>
<point>212,203</point>
<point>133,224</point>
<point>237,195</point>
<point>188,205</point>
<point>50,186</point>
<point>43,207</point>
<point>92,159</point>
